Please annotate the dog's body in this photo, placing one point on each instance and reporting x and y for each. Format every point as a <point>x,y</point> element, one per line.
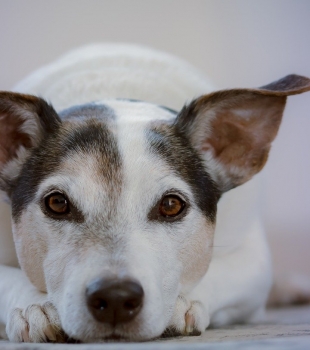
<point>121,164</point>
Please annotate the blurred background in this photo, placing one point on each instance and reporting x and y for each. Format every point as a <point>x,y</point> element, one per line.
<point>238,43</point>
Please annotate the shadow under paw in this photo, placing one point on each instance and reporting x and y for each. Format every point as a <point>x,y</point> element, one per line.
<point>172,333</point>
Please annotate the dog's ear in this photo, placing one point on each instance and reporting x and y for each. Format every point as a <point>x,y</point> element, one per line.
<point>233,129</point>
<point>24,120</point>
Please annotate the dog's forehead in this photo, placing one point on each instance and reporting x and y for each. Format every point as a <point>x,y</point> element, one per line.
<point>117,133</point>
<point>119,158</point>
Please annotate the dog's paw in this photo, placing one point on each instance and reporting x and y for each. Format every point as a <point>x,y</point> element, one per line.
<point>189,318</point>
<point>35,324</point>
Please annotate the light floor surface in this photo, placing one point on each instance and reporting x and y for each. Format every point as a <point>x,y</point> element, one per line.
<point>287,328</point>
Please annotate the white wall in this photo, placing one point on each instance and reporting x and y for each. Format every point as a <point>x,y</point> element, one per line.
<point>236,43</point>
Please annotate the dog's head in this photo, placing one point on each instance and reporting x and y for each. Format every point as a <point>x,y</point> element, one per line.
<point>114,203</point>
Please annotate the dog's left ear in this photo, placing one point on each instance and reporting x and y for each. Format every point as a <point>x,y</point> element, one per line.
<point>233,129</point>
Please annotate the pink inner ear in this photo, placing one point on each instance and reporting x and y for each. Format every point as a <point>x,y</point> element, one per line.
<point>11,138</point>
<point>236,139</point>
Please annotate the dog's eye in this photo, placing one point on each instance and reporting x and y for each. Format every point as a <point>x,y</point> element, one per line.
<point>57,203</point>
<point>171,206</point>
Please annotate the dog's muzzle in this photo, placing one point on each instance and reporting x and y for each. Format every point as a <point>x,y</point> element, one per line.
<point>114,301</point>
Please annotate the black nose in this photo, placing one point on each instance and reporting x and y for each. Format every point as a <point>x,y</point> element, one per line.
<point>114,301</point>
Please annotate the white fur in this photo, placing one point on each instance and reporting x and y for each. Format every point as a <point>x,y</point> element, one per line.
<point>238,280</point>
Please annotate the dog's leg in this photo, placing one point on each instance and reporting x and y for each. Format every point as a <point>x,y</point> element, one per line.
<point>26,312</point>
<point>235,288</point>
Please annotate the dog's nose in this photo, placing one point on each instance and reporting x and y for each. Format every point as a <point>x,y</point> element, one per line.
<point>114,301</point>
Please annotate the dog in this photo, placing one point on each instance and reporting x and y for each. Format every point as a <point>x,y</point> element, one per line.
<point>125,172</point>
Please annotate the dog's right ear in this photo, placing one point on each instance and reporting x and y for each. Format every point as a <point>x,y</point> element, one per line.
<point>24,120</point>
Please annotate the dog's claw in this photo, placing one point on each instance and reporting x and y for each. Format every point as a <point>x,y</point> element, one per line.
<point>189,318</point>
<point>50,334</point>
<point>189,323</point>
<point>35,324</point>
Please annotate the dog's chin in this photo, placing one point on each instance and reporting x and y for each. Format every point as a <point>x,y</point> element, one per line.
<point>113,337</point>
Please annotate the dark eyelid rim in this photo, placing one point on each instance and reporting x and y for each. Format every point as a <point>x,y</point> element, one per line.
<point>54,191</point>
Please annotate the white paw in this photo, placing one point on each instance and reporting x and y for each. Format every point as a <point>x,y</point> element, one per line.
<point>189,318</point>
<point>35,324</point>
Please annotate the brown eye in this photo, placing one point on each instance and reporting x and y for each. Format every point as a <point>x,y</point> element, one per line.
<point>57,203</point>
<point>171,206</point>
